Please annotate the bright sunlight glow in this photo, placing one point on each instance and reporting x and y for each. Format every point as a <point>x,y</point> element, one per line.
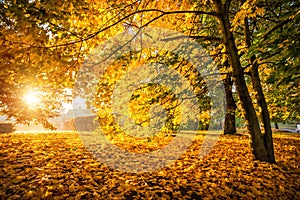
<point>31,98</point>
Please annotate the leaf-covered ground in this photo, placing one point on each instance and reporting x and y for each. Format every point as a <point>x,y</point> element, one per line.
<point>57,166</point>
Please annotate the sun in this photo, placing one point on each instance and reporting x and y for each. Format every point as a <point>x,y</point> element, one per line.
<point>31,98</point>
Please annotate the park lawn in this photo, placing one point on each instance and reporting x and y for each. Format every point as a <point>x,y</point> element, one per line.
<point>57,166</point>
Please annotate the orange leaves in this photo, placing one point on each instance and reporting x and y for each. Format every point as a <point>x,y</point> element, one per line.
<point>57,166</point>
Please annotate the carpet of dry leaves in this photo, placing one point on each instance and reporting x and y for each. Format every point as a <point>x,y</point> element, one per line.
<point>57,166</point>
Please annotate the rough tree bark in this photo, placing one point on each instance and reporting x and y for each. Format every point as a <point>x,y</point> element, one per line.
<point>257,139</point>
<point>229,124</point>
<point>265,116</point>
<point>260,97</point>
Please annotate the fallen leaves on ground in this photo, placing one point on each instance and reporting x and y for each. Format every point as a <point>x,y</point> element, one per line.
<point>57,166</point>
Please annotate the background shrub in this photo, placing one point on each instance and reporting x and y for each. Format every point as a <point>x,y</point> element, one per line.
<point>6,127</point>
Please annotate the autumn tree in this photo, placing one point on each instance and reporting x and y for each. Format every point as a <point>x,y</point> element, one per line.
<point>227,15</point>
<point>57,36</point>
<point>278,30</point>
<point>137,14</point>
<point>41,49</point>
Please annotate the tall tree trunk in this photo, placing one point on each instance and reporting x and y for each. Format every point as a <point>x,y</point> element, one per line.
<point>260,97</point>
<point>276,125</point>
<point>257,144</point>
<point>265,116</point>
<point>229,124</point>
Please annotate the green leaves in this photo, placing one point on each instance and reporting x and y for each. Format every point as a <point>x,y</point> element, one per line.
<point>276,45</point>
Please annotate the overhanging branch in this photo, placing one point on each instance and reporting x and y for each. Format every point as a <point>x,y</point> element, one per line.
<point>162,13</point>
